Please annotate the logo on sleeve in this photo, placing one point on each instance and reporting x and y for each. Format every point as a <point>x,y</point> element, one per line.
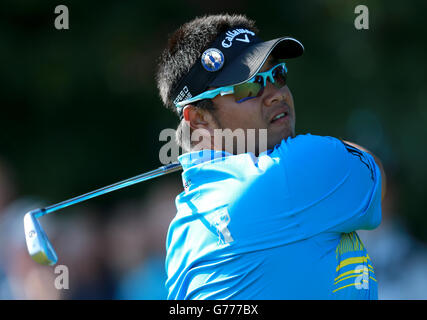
<point>221,221</point>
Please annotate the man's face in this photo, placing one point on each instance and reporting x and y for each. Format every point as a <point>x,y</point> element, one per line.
<point>258,113</point>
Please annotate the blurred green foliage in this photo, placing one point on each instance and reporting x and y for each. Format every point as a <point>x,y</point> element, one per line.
<point>80,109</point>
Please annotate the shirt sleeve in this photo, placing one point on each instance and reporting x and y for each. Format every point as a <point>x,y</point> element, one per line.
<point>334,186</point>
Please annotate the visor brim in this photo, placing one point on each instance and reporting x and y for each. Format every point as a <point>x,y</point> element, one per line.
<point>247,64</point>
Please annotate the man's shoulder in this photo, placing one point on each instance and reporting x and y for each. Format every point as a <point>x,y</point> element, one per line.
<point>310,156</point>
<point>309,138</point>
<point>308,144</point>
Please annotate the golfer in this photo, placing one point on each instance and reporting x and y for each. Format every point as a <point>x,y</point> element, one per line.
<point>276,218</point>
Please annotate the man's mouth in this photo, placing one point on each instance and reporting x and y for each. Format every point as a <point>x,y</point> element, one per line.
<point>281,116</point>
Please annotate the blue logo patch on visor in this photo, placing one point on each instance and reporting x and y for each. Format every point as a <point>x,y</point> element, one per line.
<point>212,59</point>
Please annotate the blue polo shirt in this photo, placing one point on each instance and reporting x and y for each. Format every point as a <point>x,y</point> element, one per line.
<point>278,226</point>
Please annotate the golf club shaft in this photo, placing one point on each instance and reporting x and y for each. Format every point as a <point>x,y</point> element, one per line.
<point>174,166</point>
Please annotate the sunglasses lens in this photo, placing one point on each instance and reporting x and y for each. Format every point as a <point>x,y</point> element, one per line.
<point>255,88</point>
<point>247,90</point>
<point>279,76</point>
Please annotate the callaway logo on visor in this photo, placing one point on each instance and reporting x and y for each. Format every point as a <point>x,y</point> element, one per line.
<point>233,35</point>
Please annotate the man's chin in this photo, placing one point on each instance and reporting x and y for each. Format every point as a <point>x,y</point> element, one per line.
<point>278,140</point>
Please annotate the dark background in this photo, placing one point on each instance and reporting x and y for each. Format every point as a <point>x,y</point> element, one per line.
<point>80,108</point>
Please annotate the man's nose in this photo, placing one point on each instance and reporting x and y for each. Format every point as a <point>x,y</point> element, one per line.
<point>273,94</point>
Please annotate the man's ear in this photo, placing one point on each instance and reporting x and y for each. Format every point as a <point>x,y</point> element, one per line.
<point>185,112</point>
<point>197,118</point>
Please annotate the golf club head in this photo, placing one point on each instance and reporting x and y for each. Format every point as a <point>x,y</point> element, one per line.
<point>39,247</point>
